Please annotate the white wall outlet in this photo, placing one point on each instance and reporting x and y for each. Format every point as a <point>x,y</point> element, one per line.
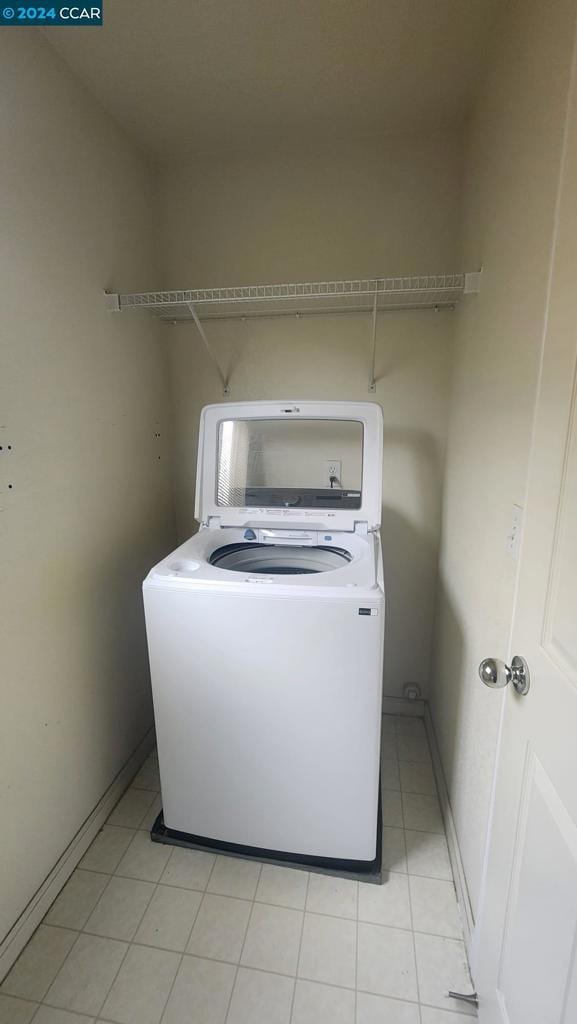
<point>412,691</point>
<point>332,467</point>
<point>514,535</point>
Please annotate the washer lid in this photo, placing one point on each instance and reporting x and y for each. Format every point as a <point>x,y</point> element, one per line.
<point>314,465</point>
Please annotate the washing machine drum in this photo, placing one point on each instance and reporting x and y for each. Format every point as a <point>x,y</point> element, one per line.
<point>278,559</point>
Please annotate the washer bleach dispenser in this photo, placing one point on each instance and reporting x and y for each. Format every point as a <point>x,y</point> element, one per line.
<point>265,633</point>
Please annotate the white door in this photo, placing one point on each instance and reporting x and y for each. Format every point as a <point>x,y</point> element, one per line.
<point>525,951</point>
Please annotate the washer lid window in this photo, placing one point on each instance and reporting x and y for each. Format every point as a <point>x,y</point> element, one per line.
<point>285,464</point>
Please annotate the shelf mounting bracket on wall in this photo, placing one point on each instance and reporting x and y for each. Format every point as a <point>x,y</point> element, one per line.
<point>473,281</point>
<point>372,381</point>
<point>208,347</point>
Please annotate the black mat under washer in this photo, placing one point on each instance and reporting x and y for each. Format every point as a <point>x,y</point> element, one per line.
<point>364,871</point>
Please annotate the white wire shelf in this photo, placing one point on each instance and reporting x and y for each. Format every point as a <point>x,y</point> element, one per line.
<point>436,291</point>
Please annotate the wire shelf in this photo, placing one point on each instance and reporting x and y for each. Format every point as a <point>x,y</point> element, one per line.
<point>437,291</point>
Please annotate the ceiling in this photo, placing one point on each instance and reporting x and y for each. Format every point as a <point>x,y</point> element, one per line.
<point>197,76</point>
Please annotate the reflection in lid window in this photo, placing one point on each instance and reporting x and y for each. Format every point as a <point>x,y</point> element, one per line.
<point>285,463</point>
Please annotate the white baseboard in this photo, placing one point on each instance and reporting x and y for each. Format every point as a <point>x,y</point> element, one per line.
<point>403,706</point>
<point>467,916</point>
<point>14,942</point>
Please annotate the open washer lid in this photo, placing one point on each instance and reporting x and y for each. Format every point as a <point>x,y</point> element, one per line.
<point>290,465</point>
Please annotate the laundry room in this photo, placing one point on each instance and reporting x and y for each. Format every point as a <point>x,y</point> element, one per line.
<point>287,463</point>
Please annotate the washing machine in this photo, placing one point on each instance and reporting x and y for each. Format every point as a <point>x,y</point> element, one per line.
<point>265,633</point>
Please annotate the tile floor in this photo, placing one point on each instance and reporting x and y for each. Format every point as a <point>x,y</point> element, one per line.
<point>144,934</point>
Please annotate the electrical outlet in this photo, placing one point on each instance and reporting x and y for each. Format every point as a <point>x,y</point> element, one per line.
<point>412,691</point>
<point>332,467</point>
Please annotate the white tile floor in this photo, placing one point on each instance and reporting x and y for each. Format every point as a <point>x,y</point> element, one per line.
<point>144,934</point>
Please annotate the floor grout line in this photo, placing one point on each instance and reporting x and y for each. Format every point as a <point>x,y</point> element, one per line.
<point>414,942</point>
<point>409,896</point>
<point>277,906</point>
<point>184,953</point>
<point>242,947</point>
<point>211,870</point>
<point>247,899</point>
<point>279,974</point>
<point>173,983</point>
<point>169,993</point>
<point>194,920</point>
<point>304,910</point>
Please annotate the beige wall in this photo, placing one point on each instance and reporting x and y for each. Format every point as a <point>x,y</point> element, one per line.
<point>89,510</point>
<point>386,206</point>
<point>512,164</point>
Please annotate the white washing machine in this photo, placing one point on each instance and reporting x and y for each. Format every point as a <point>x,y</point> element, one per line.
<point>265,633</point>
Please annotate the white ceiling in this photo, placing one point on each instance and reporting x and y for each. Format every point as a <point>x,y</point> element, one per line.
<point>190,76</point>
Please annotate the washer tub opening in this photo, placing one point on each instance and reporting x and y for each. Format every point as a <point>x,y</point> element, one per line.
<point>278,559</point>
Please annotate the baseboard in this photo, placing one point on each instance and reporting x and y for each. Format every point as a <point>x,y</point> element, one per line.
<point>467,916</point>
<point>14,942</point>
<point>403,706</point>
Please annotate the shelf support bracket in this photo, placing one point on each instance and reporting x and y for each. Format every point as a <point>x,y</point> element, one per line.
<point>472,284</point>
<point>372,381</point>
<point>112,302</point>
<point>208,347</point>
